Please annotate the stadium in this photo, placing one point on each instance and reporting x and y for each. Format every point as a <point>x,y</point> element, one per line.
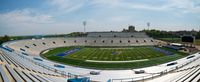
<point>99,56</point>
<point>88,41</point>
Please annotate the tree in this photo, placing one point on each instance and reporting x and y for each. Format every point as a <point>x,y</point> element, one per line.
<point>160,34</point>
<point>4,39</point>
<point>198,35</point>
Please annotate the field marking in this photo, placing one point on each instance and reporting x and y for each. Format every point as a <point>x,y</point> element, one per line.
<point>114,48</point>
<point>116,61</point>
<point>45,51</point>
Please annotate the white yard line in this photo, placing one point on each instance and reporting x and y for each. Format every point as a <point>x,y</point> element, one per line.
<point>117,61</point>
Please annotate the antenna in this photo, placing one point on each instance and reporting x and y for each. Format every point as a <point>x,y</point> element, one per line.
<point>84,24</point>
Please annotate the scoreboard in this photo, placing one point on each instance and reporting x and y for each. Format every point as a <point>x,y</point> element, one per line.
<point>188,39</point>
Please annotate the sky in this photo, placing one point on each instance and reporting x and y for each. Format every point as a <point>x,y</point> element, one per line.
<point>36,17</point>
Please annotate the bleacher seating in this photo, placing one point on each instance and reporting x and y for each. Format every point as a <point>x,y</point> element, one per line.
<point>190,76</point>
<point>34,47</point>
<point>13,70</point>
<point>188,72</point>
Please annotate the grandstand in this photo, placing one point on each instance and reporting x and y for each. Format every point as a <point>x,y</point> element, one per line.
<point>19,61</point>
<point>118,34</point>
<point>35,46</point>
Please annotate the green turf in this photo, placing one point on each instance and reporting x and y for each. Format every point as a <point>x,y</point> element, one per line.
<point>105,54</point>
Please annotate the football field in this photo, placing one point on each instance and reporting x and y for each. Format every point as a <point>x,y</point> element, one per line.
<point>109,58</point>
<point>115,54</point>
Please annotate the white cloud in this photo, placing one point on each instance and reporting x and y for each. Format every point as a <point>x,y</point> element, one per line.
<point>24,21</point>
<point>65,6</point>
<point>126,4</point>
<point>183,6</point>
<point>186,6</point>
<point>106,3</point>
<point>119,18</point>
<point>31,22</point>
<point>24,16</point>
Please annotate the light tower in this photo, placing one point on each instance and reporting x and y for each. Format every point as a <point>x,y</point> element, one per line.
<point>148,25</point>
<point>84,24</point>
